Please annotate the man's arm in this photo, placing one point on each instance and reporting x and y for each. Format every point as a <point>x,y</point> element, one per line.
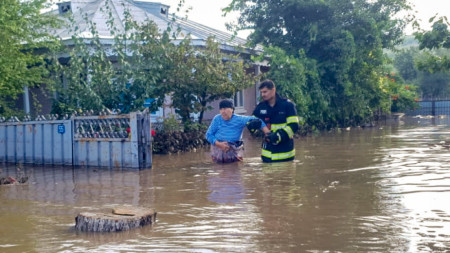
<point>292,122</point>
<point>253,123</point>
<point>265,130</point>
<point>286,132</point>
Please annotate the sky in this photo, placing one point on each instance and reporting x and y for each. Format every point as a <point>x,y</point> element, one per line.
<point>425,9</point>
<point>208,12</point>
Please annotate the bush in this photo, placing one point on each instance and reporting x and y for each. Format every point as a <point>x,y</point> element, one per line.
<point>172,138</point>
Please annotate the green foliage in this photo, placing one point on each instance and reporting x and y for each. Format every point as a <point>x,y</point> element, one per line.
<point>198,76</point>
<point>437,38</point>
<point>340,44</point>
<point>190,126</point>
<point>296,79</point>
<point>402,96</point>
<point>420,68</point>
<point>94,80</point>
<point>171,124</point>
<point>433,63</point>
<point>22,43</point>
<point>175,137</point>
<point>152,63</point>
<point>165,142</point>
<point>404,63</point>
<point>289,71</point>
<point>435,85</point>
<point>145,63</point>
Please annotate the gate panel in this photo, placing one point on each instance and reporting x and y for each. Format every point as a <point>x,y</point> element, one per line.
<point>47,143</point>
<point>106,141</point>
<point>29,143</point>
<point>11,143</point>
<point>442,107</point>
<point>105,153</point>
<point>100,141</point>
<point>39,144</point>
<point>36,142</point>
<point>431,107</point>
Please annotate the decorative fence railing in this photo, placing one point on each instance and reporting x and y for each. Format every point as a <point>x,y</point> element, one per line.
<point>102,141</point>
<point>431,107</point>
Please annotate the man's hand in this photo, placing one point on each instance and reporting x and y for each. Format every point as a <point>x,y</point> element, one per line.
<point>274,138</point>
<point>223,145</point>
<point>254,125</point>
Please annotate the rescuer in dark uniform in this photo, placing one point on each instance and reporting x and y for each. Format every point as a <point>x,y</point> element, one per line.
<point>280,116</point>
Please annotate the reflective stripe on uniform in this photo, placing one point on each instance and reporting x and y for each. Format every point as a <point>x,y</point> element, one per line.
<point>278,156</point>
<point>289,131</point>
<point>283,126</point>
<point>275,127</point>
<point>292,119</point>
<point>266,153</point>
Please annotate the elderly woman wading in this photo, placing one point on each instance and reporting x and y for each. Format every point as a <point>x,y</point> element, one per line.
<point>225,133</point>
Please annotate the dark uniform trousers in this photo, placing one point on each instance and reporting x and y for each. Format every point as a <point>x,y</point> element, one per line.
<point>281,117</point>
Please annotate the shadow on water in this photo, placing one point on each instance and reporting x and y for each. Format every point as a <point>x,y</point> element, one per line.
<point>383,189</point>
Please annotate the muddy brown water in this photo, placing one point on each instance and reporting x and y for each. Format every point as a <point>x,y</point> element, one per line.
<point>383,189</point>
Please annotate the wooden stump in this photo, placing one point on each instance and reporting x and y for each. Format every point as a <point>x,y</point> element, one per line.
<point>121,219</point>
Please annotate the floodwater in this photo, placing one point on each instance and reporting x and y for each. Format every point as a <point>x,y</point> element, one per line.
<point>381,189</point>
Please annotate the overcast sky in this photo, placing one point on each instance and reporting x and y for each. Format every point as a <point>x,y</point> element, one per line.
<point>425,9</point>
<point>208,12</point>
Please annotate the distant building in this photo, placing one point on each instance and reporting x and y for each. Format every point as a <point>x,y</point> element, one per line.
<point>142,10</point>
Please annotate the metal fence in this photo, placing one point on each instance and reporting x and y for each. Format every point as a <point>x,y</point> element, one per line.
<point>432,107</point>
<point>36,142</point>
<point>102,141</point>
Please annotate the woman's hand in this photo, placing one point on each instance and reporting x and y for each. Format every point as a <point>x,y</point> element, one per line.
<point>223,145</point>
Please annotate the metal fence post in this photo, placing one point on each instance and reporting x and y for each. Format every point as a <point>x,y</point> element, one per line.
<point>135,133</point>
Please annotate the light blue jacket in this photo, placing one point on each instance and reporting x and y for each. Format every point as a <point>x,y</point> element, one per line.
<point>228,130</point>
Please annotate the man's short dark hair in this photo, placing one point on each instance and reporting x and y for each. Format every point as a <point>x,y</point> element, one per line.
<point>267,84</point>
<point>226,104</point>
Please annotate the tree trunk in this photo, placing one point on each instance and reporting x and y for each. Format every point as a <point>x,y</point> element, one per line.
<point>200,117</point>
<point>202,112</point>
<point>121,219</point>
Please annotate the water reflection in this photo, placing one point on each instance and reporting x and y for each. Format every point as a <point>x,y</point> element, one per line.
<point>419,175</point>
<point>225,184</point>
<point>382,189</point>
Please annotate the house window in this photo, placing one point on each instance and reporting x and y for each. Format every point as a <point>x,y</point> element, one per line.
<point>239,99</point>
<point>239,102</point>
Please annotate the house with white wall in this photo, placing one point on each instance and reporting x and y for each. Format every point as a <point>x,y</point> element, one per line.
<point>87,11</point>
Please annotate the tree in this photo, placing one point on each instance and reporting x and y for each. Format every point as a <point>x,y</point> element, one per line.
<point>85,82</point>
<point>24,46</point>
<point>147,64</point>
<point>402,96</point>
<point>437,38</point>
<point>435,85</point>
<point>404,63</point>
<point>344,38</point>
<point>416,67</point>
<point>119,76</point>
<point>198,76</point>
<point>291,80</point>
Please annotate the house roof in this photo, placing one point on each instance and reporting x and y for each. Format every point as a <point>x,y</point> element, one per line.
<point>97,11</point>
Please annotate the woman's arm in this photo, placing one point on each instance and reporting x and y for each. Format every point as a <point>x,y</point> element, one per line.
<point>212,130</point>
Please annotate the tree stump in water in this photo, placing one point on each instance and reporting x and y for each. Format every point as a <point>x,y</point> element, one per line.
<point>121,219</point>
